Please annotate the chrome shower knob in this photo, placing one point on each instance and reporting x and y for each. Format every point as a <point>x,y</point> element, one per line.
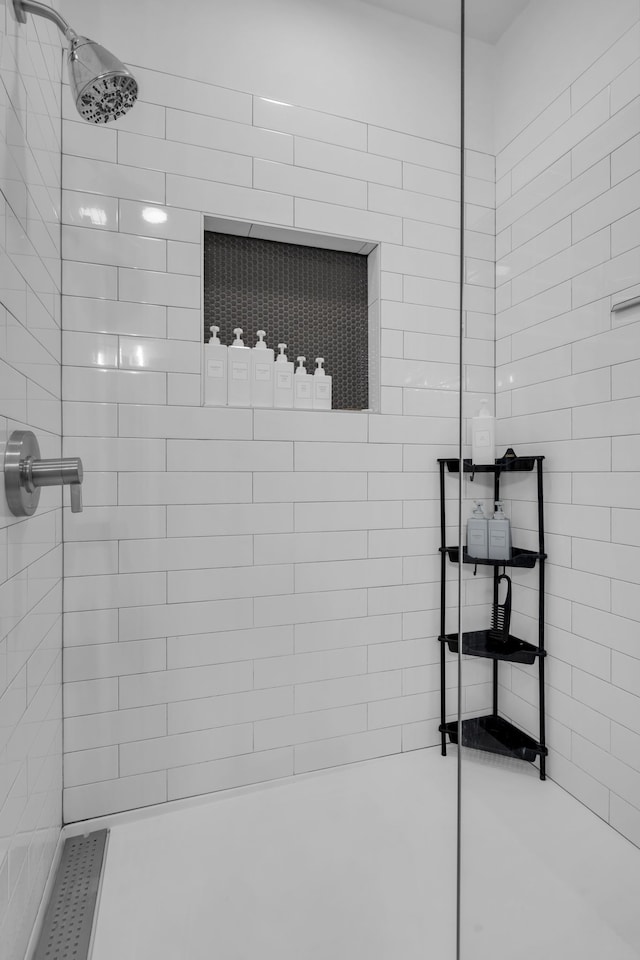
<point>25,473</point>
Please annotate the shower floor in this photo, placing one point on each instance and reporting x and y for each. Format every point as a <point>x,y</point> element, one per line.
<point>360,862</point>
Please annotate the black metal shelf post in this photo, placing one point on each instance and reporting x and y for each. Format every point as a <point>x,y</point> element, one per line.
<point>493,733</point>
<point>443,604</point>
<point>541,589</point>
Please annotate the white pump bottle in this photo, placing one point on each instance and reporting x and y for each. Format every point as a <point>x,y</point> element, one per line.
<point>478,534</point>
<point>261,373</point>
<point>321,387</point>
<point>499,535</point>
<point>215,370</point>
<point>283,382</point>
<point>302,387</point>
<point>483,436</point>
<point>239,386</point>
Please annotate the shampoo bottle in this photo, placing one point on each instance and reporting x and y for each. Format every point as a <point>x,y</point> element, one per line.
<point>239,389</point>
<point>478,534</point>
<point>215,371</point>
<point>283,382</point>
<point>321,387</point>
<point>483,436</point>
<point>302,387</point>
<point>499,535</point>
<point>261,373</point>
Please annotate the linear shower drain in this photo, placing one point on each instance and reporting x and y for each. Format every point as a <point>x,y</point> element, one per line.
<point>68,921</point>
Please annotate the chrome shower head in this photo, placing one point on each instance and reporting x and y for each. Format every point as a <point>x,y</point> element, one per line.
<point>102,87</point>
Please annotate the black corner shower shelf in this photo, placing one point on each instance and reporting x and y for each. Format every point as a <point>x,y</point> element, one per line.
<point>495,735</point>
<point>479,643</point>
<point>504,464</point>
<point>492,733</point>
<point>519,558</point>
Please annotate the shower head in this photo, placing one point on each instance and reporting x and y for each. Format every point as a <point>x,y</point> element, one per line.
<point>102,87</point>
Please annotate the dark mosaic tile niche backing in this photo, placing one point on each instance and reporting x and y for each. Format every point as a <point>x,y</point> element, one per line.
<point>313,300</point>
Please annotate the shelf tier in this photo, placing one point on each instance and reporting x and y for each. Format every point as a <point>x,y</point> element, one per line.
<point>478,643</point>
<point>495,735</point>
<point>519,557</point>
<point>500,466</point>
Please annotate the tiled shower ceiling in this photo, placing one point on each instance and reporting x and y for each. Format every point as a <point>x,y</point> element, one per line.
<point>486,19</point>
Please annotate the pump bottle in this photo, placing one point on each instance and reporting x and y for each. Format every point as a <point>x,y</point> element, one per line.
<point>499,535</point>
<point>478,534</point>
<point>483,436</point>
<point>283,380</point>
<point>302,387</point>
<point>321,387</point>
<point>215,371</point>
<point>239,389</point>
<point>261,373</point>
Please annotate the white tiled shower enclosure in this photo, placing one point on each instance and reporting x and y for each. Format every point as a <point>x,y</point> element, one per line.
<point>309,541</point>
<point>250,594</point>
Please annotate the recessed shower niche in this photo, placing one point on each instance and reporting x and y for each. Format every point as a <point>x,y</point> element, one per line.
<point>314,292</point>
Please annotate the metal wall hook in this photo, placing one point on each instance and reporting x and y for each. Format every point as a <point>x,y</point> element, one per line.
<point>25,473</point>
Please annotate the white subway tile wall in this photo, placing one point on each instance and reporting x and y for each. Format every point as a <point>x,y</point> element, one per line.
<point>30,548</point>
<point>249,569</point>
<point>567,383</point>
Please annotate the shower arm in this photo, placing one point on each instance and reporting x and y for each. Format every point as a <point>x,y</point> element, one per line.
<point>22,7</point>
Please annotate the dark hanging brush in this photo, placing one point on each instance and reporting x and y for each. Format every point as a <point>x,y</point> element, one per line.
<point>501,613</point>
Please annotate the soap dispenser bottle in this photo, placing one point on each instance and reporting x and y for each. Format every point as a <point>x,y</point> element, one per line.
<point>321,387</point>
<point>302,387</point>
<point>261,373</point>
<point>499,535</point>
<point>483,436</point>
<point>239,376</point>
<point>283,380</point>
<point>478,534</point>
<point>215,371</point>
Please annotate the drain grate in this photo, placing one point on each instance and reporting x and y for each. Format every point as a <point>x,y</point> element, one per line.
<point>66,930</point>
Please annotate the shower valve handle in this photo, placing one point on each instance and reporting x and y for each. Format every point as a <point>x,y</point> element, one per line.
<point>54,473</point>
<point>75,491</point>
<point>25,473</point>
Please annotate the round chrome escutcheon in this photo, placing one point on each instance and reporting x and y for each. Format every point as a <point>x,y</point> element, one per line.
<point>22,497</point>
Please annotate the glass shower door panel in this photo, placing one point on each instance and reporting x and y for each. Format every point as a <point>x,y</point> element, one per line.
<point>549,865</point>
